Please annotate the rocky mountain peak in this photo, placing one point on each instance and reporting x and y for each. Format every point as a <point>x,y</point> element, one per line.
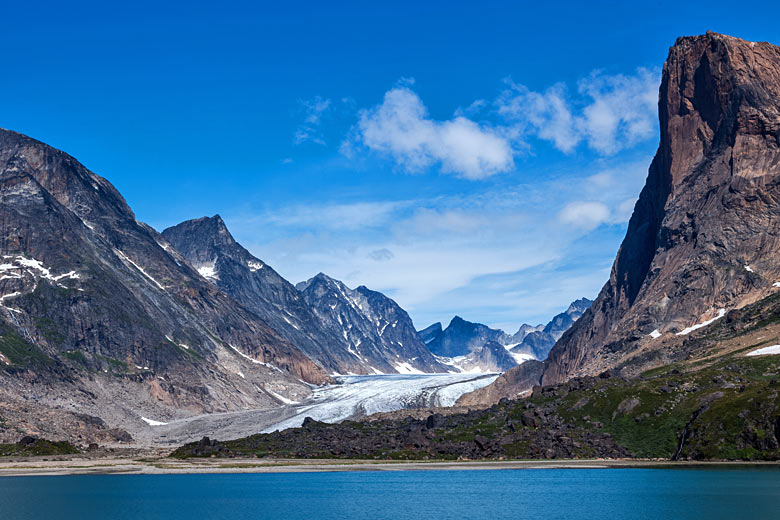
<point>81,191</point>
<point>702,237</point>
<point>717,92</point>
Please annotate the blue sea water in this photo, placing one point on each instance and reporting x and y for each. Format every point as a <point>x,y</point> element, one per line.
<point>496,494</point>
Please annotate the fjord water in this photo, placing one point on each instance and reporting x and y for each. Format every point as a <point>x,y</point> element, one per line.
<point>534,494</point>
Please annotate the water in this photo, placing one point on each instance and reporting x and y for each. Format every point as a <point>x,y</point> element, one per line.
<point>517,494</point>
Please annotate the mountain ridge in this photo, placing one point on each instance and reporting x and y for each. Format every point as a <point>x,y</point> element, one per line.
<point>100,313</point>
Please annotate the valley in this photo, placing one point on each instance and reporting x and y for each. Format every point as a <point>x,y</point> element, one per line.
<point>352,397</point>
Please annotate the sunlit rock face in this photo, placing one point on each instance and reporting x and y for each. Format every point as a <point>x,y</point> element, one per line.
<point>703,238</point>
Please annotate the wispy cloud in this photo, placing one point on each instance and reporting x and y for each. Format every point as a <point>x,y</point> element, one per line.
<point>309,129</point>
<point>584,215</point>
<point>609,112</point>
<point>401,129</point>
<point>430,252</point>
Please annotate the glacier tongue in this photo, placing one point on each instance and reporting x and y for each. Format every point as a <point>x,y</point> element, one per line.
<point>357,396</point>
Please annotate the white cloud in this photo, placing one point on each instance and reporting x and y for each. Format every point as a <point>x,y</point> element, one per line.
<point>381,255</point>
<point>309,130</point>
<point>420,250</point>
<point>546,114</point>
<point>584,215</point>
<point>400,128</point>
<point>351,216</point>
<point>613,112</point>
<point>607,112</point>
<point>622,111</point>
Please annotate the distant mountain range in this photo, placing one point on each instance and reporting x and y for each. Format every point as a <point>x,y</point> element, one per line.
<point>462,343</point>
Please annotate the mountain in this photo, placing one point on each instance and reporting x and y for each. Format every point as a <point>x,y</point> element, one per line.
<point>461,337</point>
<point>208,245</point>
<point>703,237</point>
<point>490,357</point>
<point>538,343</point>
<point>103,322</point>
<point>430,332</point>
<point>375,329</point>
<point>524,330</point>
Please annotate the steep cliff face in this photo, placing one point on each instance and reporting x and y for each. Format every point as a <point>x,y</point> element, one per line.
<point>703,238</point>
<point>99,311</point>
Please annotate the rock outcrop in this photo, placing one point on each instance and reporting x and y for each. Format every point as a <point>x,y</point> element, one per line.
<point>511,384</point>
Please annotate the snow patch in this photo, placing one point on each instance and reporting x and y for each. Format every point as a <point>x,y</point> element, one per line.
<point>209,272</point>
<point>521,358</point>
<point>152,422</point>
<point>281,397</point>
<point>291,323</point>
<point>772,349</point>
<point>256,362</point>
<point>124,257</point>
<point>406,368</point>
<point>748,268</point>
<point>254,266</point>
<point>655,334</point>
<point>688,330</point>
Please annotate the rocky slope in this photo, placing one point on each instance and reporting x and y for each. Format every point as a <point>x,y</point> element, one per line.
<point>103,322</point>
<point>377,332</point>
<point>512,384</point>
<point>703,238</point>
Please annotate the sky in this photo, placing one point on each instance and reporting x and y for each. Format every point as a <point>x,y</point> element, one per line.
<point>471,158</point>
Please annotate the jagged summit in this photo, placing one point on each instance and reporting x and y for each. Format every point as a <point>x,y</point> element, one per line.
<point>319,278</point>
<point>376,329</point>
<point>343,330</point>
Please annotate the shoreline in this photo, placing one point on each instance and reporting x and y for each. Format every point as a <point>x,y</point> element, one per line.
<point>62,466</point>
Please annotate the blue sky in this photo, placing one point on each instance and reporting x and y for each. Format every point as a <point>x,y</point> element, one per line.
<point>478,159</point>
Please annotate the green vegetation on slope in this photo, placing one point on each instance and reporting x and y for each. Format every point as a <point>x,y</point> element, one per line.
<point>30,447</point>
